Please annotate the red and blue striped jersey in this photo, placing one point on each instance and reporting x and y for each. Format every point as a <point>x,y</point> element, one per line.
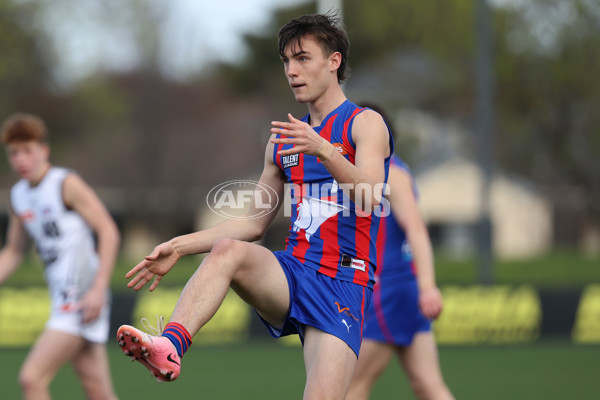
<point>327,232</point>
<point>394,257</point>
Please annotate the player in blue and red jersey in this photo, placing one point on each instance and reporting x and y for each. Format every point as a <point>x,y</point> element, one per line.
<point>327,233</point>
<point>336,161</point>
<point>405,298</point>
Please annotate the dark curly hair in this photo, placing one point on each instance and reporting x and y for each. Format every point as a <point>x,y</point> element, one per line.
<point>325,29</point>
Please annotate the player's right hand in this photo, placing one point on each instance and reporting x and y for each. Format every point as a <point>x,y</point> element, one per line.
<point>430,302</point>
<point>155,265</point>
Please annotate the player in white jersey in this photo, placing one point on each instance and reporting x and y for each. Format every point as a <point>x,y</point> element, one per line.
<point>61,213</point>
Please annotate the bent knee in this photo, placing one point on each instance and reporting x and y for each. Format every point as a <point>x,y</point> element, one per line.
<point>230,253</point>
<point>225,246</point>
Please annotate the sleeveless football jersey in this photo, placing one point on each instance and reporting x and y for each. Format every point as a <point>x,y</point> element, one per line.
<point>63,239</point>
<point>327,232</point>
<point>394,256</point>
<point>393,316</point>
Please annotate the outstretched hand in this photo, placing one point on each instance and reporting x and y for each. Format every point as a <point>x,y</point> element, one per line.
<point>155,265</point>
<point>300,134</point>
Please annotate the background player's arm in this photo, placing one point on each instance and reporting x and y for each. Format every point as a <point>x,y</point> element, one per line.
<point>11,254</point>
<point>369,133</point>
<point>82,199</point>
<point>165,255</point>
<point>406,211</point>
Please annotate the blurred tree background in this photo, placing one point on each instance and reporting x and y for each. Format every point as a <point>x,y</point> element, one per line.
<point>155,139</point>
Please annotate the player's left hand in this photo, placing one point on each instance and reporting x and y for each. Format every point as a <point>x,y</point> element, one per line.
<point>300,134</point>
<point>91,304</point>
<point>156,265</point>
<point>430,302</point>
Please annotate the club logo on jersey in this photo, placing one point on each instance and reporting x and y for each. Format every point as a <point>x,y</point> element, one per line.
<point>406,250</point>
<point>291,160</point>
<point>312,213</point>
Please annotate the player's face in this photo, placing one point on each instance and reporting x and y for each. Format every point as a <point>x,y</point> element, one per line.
<point>309,72</point>
<point>28,159</point>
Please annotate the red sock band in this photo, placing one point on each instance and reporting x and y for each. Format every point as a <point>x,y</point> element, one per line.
<point>181,329</point>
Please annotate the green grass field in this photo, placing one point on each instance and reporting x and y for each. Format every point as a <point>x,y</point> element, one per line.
<point>269,370</point>
<point>556,270</point>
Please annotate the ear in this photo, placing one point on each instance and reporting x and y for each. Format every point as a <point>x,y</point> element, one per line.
<point>46,150</point>
<point>335,60</point>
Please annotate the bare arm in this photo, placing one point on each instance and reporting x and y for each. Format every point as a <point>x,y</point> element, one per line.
<point>165,255</point>
<point>82,199</point>
<point>12,253</point>
<point>408,216</point>
<point>370,134</point>
<point>239,229</point>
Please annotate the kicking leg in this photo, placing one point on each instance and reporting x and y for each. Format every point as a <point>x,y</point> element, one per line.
<point>251,270</point>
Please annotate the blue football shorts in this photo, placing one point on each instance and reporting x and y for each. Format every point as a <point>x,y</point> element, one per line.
<point>393,315</point>
<point>330,305</point>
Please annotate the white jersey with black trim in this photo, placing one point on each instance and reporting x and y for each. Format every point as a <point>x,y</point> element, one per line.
<point>63,239</point>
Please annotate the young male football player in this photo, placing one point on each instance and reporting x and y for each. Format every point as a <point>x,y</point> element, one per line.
<point>60,212</point>
<point>336,160</point>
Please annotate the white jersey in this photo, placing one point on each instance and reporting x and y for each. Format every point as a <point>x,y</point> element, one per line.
<point>63,240</point>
